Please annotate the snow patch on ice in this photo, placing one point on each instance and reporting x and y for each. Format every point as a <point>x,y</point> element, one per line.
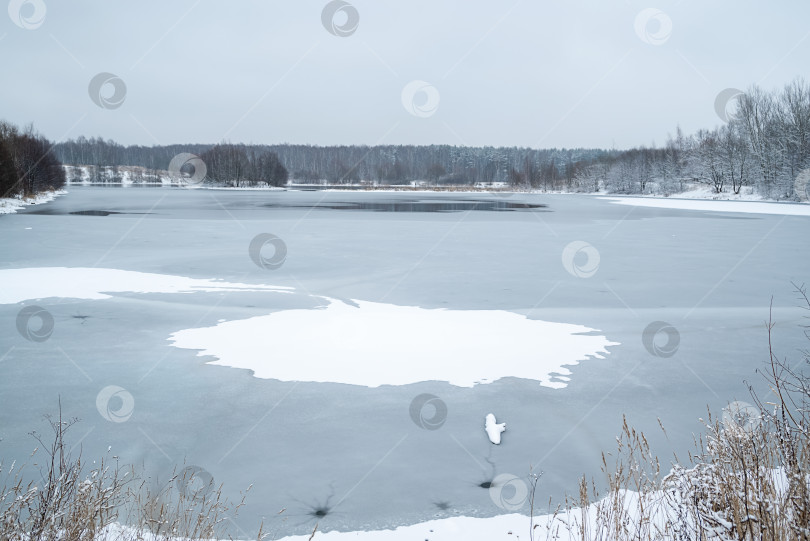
<point>94,283</point>
<point>373,344</point>
<point>751,207</point>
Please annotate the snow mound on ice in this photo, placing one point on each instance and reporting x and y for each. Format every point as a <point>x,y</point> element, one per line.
<point>372,344</point>
<point>494,429</point>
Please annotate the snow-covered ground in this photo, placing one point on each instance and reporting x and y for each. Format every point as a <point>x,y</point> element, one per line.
<point>132,175</point>
<point>123,175</point>
<point>509,527</point>
<point>702,191</point>
<point>10,205</point>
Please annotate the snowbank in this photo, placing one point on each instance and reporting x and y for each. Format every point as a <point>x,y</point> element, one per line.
<point>10,205</point>
<point>707,192</point>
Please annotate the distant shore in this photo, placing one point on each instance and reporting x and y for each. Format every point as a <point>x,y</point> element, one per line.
<point>694,191</point>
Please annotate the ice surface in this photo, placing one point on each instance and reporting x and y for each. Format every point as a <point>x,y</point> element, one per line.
<point>711,275</point>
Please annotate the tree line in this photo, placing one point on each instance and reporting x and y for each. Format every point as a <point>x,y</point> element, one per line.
<point>764,146</point>
<point>27,163</point>
<point>387,164</point>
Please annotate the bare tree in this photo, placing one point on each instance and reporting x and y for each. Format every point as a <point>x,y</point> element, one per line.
<point>734,153</point>
<point>710,155</point>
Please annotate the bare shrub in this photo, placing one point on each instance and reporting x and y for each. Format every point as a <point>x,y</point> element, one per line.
<point>66,504</point>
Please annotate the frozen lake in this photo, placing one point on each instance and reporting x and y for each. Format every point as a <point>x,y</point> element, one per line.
<point>532,307</point>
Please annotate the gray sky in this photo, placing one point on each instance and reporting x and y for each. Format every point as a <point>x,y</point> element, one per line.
<point>525,73</point>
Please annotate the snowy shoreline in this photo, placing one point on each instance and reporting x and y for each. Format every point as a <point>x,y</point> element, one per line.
<point>10,205</point>
<point>133,176</point>
<point>702,193</point>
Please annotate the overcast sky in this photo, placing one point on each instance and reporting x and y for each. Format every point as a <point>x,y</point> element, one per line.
<point>512,73</point>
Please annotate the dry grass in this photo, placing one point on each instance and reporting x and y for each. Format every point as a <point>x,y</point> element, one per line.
<point>67,503</point>
<point>183,508</point>
<point>73,503</point>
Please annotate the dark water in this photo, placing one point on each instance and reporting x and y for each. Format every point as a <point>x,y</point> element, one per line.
<point>92,212</point>
<point>418,205</point>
